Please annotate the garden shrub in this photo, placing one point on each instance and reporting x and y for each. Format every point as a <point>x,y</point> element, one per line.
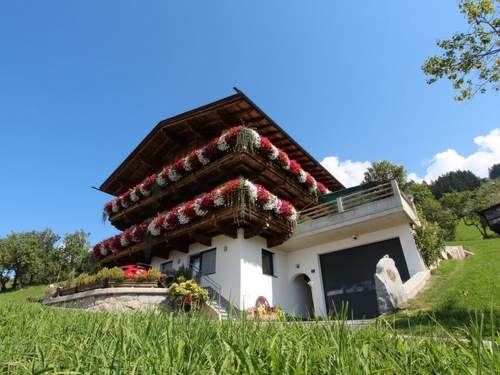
<point>85,279</point>
<point>110,274</point>
<point>151,275</point>
<point>183,273</point>
<point>187,293</point>
<point>429,238</point>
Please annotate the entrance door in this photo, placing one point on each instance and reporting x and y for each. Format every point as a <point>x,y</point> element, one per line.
<point>348,277</point>
<point>301,297</point>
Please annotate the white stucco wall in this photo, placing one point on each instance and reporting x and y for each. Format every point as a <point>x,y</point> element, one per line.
<point>253,282</point>
<point>238,269</point>
<point>307,260</point>
<point>238,266</point>
<point>227,264</point>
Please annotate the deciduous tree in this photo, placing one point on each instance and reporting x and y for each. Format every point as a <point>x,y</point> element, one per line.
<point>454,181</point>
<point>383,171</point>
<point>470,60</point>
<point>431,209</point>
<point>494,171</point>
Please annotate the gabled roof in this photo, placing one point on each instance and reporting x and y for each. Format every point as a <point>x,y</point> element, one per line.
<point>206,122</point>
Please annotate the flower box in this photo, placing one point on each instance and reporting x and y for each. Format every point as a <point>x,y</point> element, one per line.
<point>66,291</point>
<point>84,288</point>
<point>132,284</point>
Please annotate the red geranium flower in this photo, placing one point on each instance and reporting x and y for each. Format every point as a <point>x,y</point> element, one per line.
<point>295,167</point>
<point>309,180</point>
<point>262,195</point>
<point>115,243</point>
<point>322,188</point>
<point>265,144</point>
<point>108,208</point>
<point>283,159</point>
<point>171,218</point>
<point>189,210</point>
<point>178,167</point>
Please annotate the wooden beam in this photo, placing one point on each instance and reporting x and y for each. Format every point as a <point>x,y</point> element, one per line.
<point>253,231</point>
<point>178,244</point>
<point>162,252</point>
<point>276,240</point>
<point>201,238</point>
<point>229,231</point>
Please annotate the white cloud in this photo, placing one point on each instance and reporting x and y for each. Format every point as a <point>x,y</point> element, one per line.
<point>487,154</point>
<point>348,172</point>
<point>351,173</point>
<point>413,177</point>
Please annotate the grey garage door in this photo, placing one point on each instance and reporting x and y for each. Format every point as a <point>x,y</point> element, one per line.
<point>348,276</point>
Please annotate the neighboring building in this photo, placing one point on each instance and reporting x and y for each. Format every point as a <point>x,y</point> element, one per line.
<point>255,214</point>
<point>491,217</point>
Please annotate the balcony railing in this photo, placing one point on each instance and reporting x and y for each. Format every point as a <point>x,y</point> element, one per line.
<point>349,202</point>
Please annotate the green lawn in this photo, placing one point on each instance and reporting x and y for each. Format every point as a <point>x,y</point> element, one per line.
<point>459,289</point>
<point>35,339</point>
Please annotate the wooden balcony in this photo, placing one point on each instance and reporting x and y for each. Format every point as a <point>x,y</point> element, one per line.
<point>225,221</point>
<point>239,163</point>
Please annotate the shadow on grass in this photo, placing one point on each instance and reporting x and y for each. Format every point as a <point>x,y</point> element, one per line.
<point>447,315</point>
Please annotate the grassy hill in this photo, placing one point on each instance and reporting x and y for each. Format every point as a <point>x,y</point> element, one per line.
<point>459,290</point>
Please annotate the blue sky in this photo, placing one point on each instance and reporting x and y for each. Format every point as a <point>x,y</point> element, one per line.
<point>83,82</point>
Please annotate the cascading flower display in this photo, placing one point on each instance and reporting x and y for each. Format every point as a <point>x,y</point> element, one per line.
<point>239,191</point>
<point>239,137</point>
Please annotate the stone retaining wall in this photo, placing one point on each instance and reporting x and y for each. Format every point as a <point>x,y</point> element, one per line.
<point>114,299</point>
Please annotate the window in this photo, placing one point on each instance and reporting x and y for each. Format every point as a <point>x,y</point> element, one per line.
<point>205,262</point>
<point>267,263</point>
<point>167,267</point>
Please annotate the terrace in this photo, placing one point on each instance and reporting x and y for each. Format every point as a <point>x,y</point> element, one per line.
<point>352,212</point>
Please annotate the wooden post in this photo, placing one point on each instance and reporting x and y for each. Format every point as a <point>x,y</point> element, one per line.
<point>340,205</point>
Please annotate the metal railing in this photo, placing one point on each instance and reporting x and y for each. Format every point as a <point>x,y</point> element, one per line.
<point>347,202</point>
<point>214,290</point>
<point>205,280</point>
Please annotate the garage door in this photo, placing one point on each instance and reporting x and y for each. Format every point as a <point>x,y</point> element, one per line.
<point>348,276</point>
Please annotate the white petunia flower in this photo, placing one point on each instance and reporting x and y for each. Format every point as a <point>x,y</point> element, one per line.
<point>294,215</point>
<point>144,191</point>
<point>218,199</point>
<point>115,208</point>
<point>255,138</point>
<point>160,180</point>
<point>201,158</point>
<point>271,203</point>
<point>221,142</point>
<point>133,195</point>
<point>103,251</point>
<point>187,164</point>
<point>172,175</point>
<point>197,208</point>
<point>123,241</point>
<point>274,152</point>
<point>154,229</point>
<point>252,190</point>
<point>183,218</point>
<point>302,176</point>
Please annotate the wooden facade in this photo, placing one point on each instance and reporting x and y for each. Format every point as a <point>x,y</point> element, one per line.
<point>177,136</point>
